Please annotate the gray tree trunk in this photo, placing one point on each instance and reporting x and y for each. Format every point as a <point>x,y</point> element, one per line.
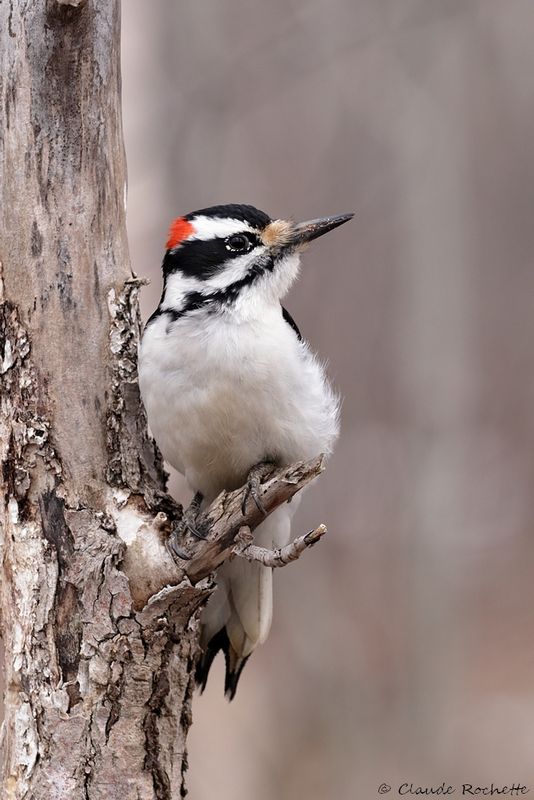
<point>98,694</point>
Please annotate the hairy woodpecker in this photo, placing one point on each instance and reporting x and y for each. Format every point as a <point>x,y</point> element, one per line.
<point>228,383</point>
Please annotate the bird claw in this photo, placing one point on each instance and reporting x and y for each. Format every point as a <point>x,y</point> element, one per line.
<point>175,549</point>
<point>255,476</point>
<point>186,525</point>
<point>198,534</point>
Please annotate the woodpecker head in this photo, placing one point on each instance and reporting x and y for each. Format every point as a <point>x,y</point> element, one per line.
<point>232,257</point>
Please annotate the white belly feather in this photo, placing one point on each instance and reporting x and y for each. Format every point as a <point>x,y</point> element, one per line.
<point>222,396</point>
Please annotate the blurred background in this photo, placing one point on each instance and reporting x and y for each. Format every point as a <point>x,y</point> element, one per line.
<point>402,646</point>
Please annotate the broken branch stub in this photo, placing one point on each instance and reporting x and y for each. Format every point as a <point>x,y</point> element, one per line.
<point>280,556</point>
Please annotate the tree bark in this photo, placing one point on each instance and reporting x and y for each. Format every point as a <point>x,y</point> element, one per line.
<point>97,695</point>
<point>100,623</point>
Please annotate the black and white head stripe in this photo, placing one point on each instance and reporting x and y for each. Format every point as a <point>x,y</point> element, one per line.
<point>216,287</point>
<point>215,253</point>
<point>233,211</point>
<point>210,237</point>
<point>215,222</point>
<point>204,258</point>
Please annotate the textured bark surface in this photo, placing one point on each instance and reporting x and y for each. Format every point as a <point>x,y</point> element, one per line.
<point>100,624</point>
<point>97,694</point>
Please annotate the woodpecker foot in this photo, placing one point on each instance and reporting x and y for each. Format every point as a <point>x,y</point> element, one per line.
<point>186,525</point>
<point>255,477</point>
<point>190,516</point>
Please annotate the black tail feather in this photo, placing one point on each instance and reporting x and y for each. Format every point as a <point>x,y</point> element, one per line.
<point>234,664</point>
<point>218,642</point>
<point>233,674</point>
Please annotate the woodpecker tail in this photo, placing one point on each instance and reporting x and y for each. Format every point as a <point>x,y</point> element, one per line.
<point>238,615</point>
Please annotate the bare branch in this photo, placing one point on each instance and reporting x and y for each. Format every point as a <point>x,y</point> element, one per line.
<point>157,556</point>
<point>245,548</point>
<point>224,519</point>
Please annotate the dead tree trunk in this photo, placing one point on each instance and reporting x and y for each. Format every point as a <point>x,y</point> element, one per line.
<point>99,622</point>
<point>97,701</point>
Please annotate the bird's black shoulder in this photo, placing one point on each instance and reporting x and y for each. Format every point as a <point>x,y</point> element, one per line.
<point>291,322</point>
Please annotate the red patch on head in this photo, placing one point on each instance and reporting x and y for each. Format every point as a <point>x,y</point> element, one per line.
<point>180,229</point>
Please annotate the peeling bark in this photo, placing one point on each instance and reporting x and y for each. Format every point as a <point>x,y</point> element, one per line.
<point>99,621</point>
<point>98,693</point>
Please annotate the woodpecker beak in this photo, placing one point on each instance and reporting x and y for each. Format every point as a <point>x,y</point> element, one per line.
<point>305,232</point>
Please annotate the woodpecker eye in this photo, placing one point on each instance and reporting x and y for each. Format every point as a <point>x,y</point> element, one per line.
<point>238,243</point>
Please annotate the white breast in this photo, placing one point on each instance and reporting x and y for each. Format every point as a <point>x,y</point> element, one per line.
<point>222,395</point>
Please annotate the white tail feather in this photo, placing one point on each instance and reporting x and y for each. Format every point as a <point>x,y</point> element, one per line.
<point>243,600</point>
<point>251,590</point>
